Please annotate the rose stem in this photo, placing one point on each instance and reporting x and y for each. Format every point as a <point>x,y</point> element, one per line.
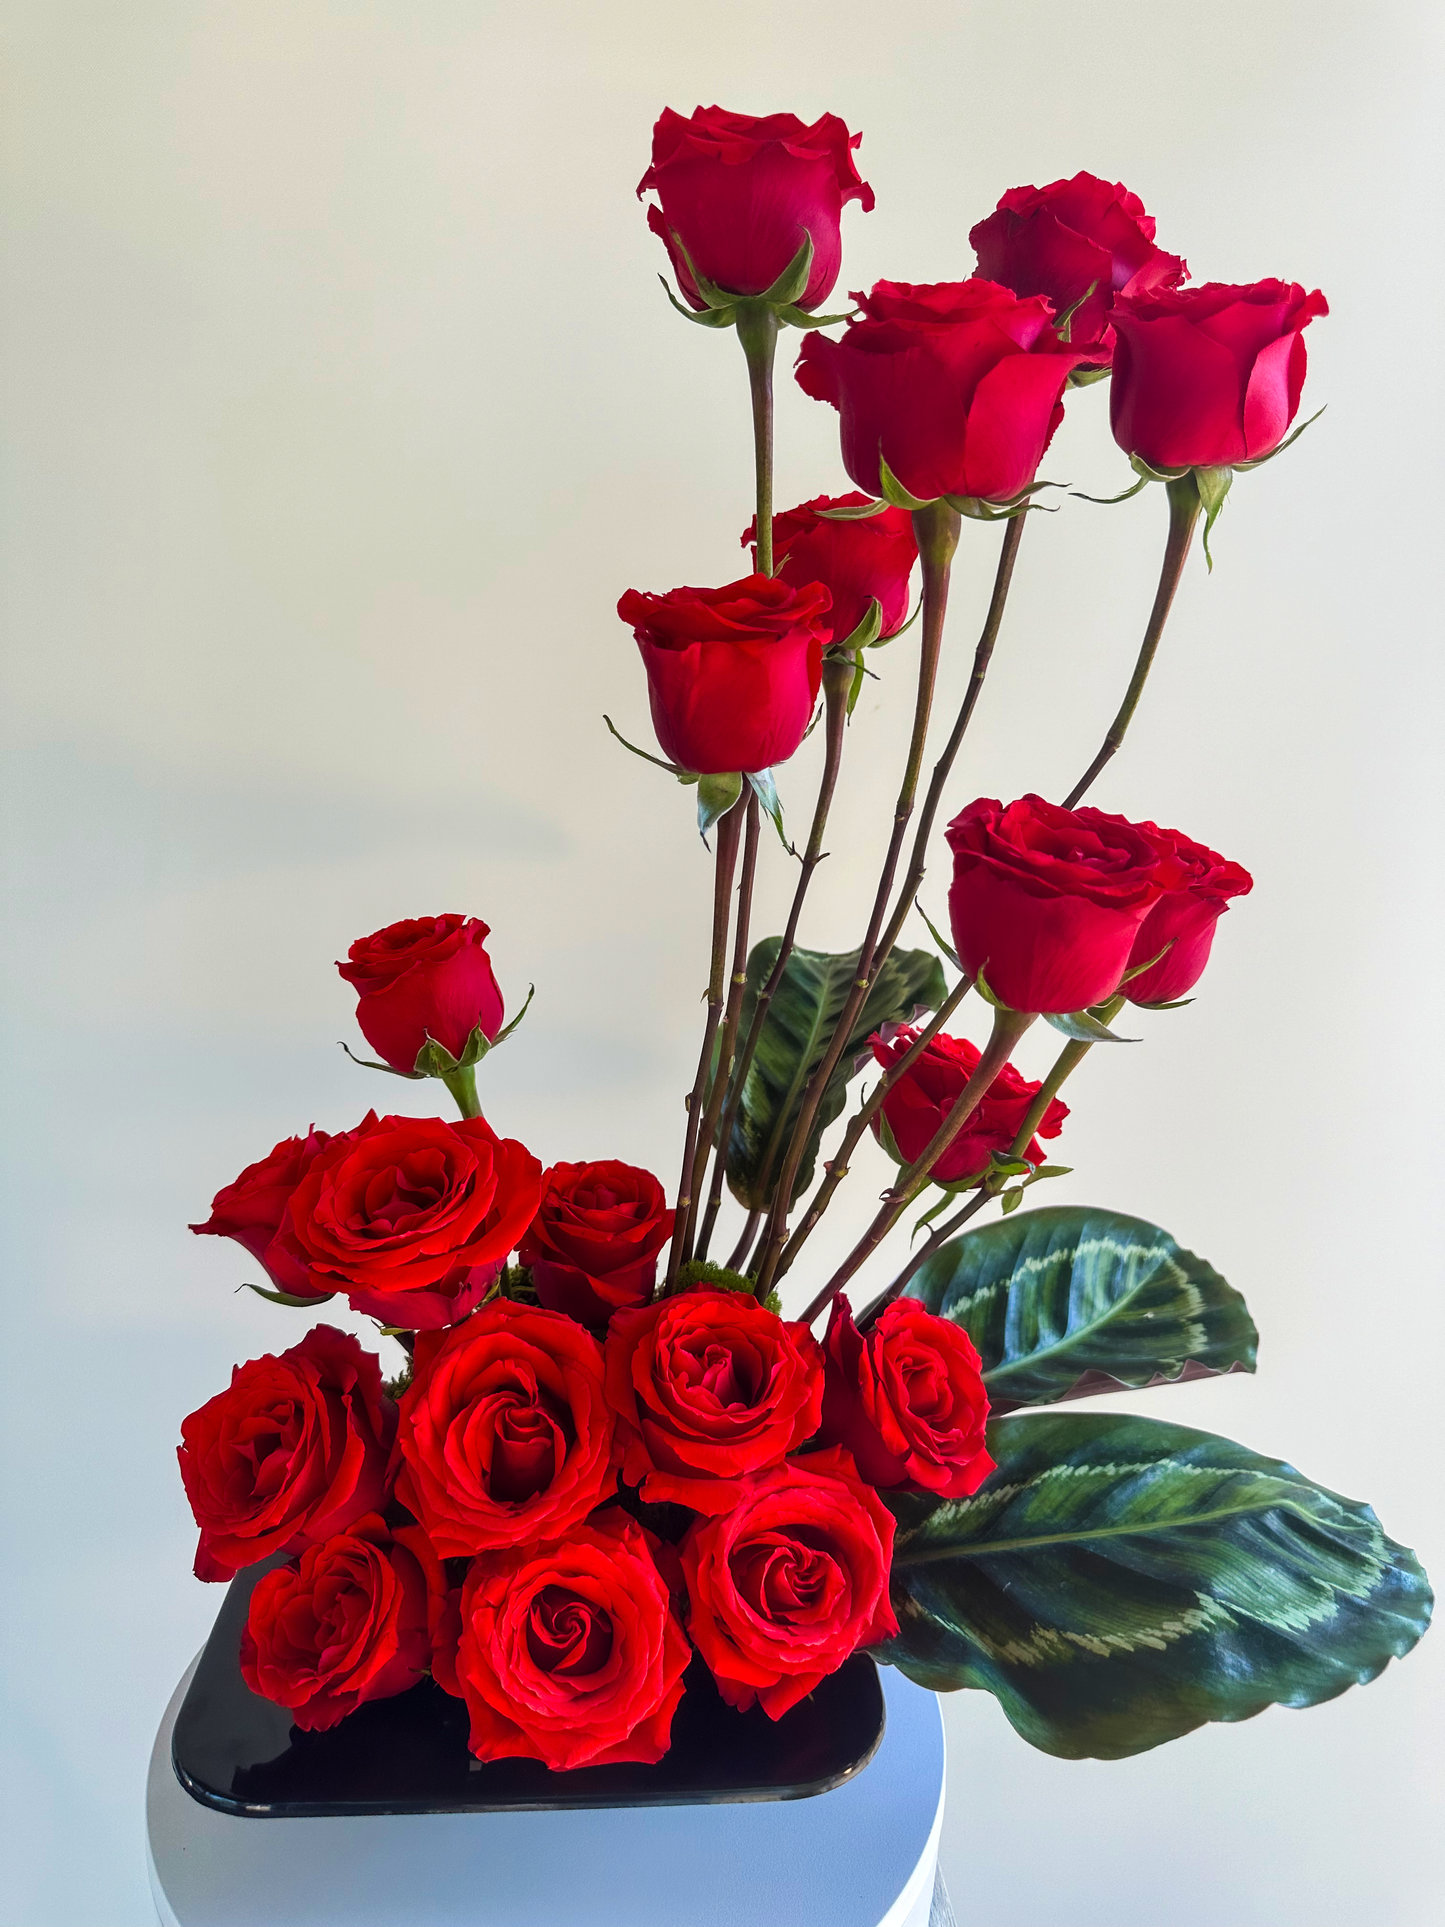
<point>862,1118</point>
<point>462,1084</point>
<point>838,1165</point>
<point>837,680</point>
<point>1184,506</point>
<point>936,528</point>
<point>745,1243</point>
<point>728,831</point>
<point>1008,1027</point>
<point>1068,1058</point>
<point>730,1020</point>
<point>758,333</point>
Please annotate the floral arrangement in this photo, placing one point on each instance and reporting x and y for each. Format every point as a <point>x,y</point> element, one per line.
<point>611,1459</point>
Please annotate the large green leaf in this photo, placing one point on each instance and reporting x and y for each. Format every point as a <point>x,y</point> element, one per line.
<point>1117,1582</point>
<point>1071,1300</point>
<point>796,1033</point>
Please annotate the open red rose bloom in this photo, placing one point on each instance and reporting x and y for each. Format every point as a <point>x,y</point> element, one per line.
<point>611,1464</point>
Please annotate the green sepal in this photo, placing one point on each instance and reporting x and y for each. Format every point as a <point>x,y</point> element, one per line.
<point>435,1060</point>
<point>902,629</point>
<point>858,512</point>
<point>1149,473</point>
<point>1139,969</point>
<point>867,632</point>
<point>1176,1003</point>
<point>1213,485</point>
<point>946,1192</point>
<point>943,944</point>
<point>975,509</point>
<point>795,317</point>
<point>1083,1027</point>
<point>981,985</point>
<point>1108,501</point>
<point>374,1064</point>
<point>285,1297</point>
<point>1085,377</point>
<point>714,296</point>
<point>787,290</point>
<point>715,797</point>
<point>706,317</point>
<point>892,490</point>
<point>760,781</point>
<point>1063,323</point>
<point>682,775</point>
<point>1288,442</point>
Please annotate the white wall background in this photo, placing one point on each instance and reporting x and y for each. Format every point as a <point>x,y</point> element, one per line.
<point>341,403</point>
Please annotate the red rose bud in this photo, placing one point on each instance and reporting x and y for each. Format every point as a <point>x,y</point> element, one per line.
<point>594,1243</point>
<point>294,1449</point>
<point>732,673</point>
<point>1207,377</point>
<point>709,1387</point>
<point>741,191</point>
<point>1183,918</point>
<point>1069,238</point>
<point>1047,902</point>
<point>791,1582</point>
<point>923,1097</point>
<point>346,1624</point>
<point>958,385</point>
<point>428,977</point>
<point>412,1217</point>
<point>570,1652</point>
<point>252,1209</point>
<point>907,1400</point>
<point>857,562</point>
<point>505,1433</point>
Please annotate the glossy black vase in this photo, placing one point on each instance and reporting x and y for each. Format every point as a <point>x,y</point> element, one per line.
<point>241,1754</point>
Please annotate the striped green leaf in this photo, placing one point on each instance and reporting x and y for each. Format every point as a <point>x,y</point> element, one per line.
<point>796,1033</point>
<point>1071,1300</point>
<point>1117,1582</point>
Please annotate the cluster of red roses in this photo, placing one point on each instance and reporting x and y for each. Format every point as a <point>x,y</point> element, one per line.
<point>580,1484</point>
<point>955,388</point>
<point>474,1525</point>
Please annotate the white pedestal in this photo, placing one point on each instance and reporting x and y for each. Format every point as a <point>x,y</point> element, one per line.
<point>864,1855</point>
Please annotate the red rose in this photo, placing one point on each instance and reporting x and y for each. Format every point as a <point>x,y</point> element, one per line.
<point>570,1652</point>
<point>1047,901</point>
<point>791,1582</point>
<point>740,192</point>
<point>708,1387</point>
<point>1071,236</point>
<point>412,1217</point>
<point>1206,377</point>
<point>958,385</point>
<point>429,977</point>
<point>443,1606</point>
<point>292,1451</point>
<point>1183,918</point>
<point>505,1434</point>
<point>923,1097</point>
<point>345,1624</point>
<point>907,1400</point>
<point>732,673</point>
<point>594,1242</point>
<point>253,1207</point>
<point>857,562</point>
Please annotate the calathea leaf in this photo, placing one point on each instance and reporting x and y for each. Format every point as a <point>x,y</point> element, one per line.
<point>1072,1300</point>
<point>796,1032</point>
<point>1117,1582</point>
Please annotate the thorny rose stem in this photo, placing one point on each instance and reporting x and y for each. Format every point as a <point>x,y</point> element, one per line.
<point>983,653</point>
<point>837,679</point>
<point>1184,507</point>
<point>1008,1027</point>
<point>730,1020</point>
<point>936,528</point>
<point>1067,1060</point>
<point>758,333</point>
<point>728,831</point>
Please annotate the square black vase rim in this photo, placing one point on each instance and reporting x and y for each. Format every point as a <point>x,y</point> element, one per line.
<point>239,1754</point>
